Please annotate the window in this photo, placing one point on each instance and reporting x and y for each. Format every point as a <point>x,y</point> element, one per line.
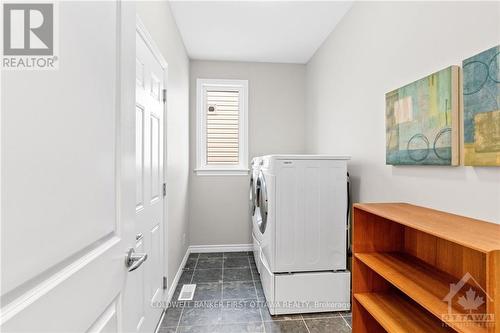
<point>221,124</point>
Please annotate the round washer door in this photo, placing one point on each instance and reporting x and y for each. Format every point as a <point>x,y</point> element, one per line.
<point>253,196</point>
<point>262,201</point>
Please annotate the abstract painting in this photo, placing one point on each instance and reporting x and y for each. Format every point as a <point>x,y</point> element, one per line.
<point>481,98</point>
<point>422,121</point>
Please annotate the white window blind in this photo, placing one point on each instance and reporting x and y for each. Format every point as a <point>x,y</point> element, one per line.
<point>223,109</point>
<point>221,126</point>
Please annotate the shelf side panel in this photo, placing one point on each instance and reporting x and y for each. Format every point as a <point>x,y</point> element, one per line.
<point>373,233</point>
<point>493,289</point>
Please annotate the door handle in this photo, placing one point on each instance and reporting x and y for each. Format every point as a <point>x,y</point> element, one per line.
<point>134,260</point>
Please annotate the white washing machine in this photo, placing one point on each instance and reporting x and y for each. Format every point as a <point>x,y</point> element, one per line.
<point>302,201</point>
<point>254,210</point>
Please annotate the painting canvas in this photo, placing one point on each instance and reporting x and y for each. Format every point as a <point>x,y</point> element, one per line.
<point>422,121</point>
<point>481,98</point>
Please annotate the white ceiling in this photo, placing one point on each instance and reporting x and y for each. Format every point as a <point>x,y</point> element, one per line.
<point>264,31</point>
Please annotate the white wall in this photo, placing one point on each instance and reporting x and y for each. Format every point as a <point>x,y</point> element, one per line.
<point>378,47</point>
<point>157,18</point>
<point>219,204</point>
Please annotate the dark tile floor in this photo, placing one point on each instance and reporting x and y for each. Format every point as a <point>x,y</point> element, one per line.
<point>229,298</point>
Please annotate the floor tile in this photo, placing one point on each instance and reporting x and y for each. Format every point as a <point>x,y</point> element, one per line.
<point>167,329</point>
<point>237,274</point>
<point>180,304</point>
<point>255,274</point>
<point>211,255</point>
<point>344,313</point>
<point>266,316</point>
<point>186,277</point>
<point>260,291</point>
<point>208,291</point>
<point>209,263</point>
<point>229,299</point>
<point>190,264</point>
<point>177,292</point>
<point>325,325</point>
<point>320,315</point>
<point>238,290</point>
<point>242,328</point>
<point>207,275</point>
<point>348,319</point>
<point>236,254</point>
<point>254,268</point>
<point>241,311</point>
<point>197,329</point>
<point>196,314</point>
<point>287,326</point>
<point>226,328</point>
<point>236,262</point>
<point>171,317</point>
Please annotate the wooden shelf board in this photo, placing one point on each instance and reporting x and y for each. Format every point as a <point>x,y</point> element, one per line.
<point>396,315</point>
<point>421,282</point>
<point>475,234</point>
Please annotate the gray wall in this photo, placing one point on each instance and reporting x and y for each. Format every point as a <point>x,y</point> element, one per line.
<point>160,23</point>
<point>376,48</point>
<point>219,204</point>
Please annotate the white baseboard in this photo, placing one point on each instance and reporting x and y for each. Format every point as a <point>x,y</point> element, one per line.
<point>173,286</point>
<point>220,248</point>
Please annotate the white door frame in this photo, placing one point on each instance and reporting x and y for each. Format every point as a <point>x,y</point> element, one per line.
<point>143,32</point>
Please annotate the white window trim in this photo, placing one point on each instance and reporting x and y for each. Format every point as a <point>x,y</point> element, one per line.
<point>201,164</point>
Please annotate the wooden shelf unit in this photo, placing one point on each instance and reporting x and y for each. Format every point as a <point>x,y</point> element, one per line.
<point>396,314</point>
<point>406,258</point>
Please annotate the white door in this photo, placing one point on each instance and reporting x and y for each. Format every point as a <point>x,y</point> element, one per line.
<point>68,177</point>
<point>149,195</point>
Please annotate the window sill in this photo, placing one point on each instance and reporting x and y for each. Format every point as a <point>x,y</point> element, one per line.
<point>221,172</point>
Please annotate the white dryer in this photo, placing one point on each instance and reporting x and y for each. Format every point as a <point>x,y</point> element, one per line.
<point>254,209</point>
<point>302,201</point>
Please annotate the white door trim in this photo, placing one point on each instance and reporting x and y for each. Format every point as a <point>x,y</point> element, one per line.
<point>141,29</point>
<point>143,32</point>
